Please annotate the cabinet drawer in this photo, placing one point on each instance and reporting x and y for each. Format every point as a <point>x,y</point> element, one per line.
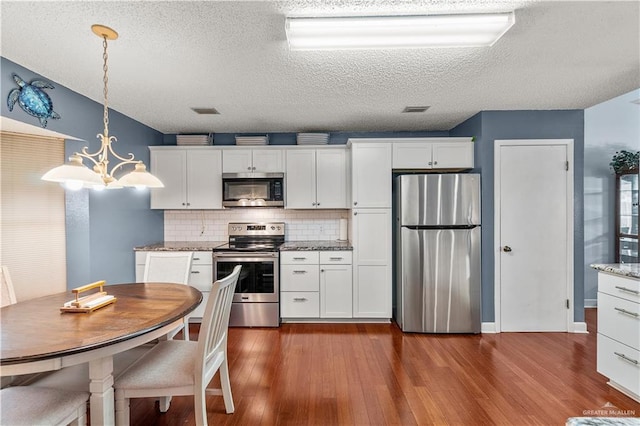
<point>299,277</point>
<point>625,288</point>
<point>619,319</point>
<point>299,258</point>
<point>336,257</point>
<point>202,258</point>
<point>201,277</point>
<point>619,362</point>
<point>299,304</point>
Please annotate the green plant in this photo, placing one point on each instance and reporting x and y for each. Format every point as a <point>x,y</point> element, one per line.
<point>625,160</point>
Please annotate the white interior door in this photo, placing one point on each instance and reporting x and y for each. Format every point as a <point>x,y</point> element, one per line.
<point>534,223</point>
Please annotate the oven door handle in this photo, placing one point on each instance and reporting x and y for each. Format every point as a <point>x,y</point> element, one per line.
<point>246,256</point>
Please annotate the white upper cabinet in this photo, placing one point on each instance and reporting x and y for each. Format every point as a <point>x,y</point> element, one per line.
<point>316,178</point>
<point>370,174</point>
<point>192,178</point>
<point>433,153</point>
<point>249,160</point>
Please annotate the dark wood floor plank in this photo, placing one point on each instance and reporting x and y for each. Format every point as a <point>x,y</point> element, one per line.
<point>373,374</point>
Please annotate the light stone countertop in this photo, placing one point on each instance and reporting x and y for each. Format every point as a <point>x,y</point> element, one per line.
<point>320,245</point>
<point>623,269</point>
<point>181,246</point>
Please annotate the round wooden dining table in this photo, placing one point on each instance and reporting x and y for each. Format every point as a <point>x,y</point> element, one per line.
<point>36,336</point>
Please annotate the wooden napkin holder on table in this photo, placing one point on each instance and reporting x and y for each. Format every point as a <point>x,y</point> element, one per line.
<point>89,303</point>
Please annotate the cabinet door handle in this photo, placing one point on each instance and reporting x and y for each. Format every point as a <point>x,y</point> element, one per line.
<point>626,358</point>
<point>249,168</point>
<point>184,204</point>
<point>335,258</point>
<point>435,162</point>
<point>313,204</point>
<point>506,249</point>
<point>253,168</point>
<point>321,270</point>
<point>430,163</point>
<point>195,272</point>
<point>299,258</point>
<point>196,258</point>
<point>628,290</point>
<point>317,204</point>
<point>624,311</point>
<point>355,203</point>
<point>299,272</point>
<point>188,204</point>
<point>355,213</point>
<point>299,299</point>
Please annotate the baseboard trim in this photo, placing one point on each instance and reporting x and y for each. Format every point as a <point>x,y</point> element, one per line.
<point>488,327</point>
<point>590,303</point>
<point>580,327</point>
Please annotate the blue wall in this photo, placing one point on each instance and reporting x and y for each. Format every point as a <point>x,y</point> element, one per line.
<point>488,126</point>
<point>102,227</point>
<point>609,127</point>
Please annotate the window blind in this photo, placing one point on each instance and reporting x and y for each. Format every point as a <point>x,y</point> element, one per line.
<point>32,215</point>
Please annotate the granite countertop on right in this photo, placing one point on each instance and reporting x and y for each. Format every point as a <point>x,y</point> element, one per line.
<point>320,245</point>
<point>623,269</point>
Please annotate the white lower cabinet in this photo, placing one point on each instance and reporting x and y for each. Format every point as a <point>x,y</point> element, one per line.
<point>315,284</point>
<point>619,332</point>
<point>372,263</point>
<point>201,277</point>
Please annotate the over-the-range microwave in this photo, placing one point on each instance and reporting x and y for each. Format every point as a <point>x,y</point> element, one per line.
<point>253,189</point>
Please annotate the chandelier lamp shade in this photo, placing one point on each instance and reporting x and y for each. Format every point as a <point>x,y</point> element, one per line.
<point>75,175</point>
<point>396,32</point>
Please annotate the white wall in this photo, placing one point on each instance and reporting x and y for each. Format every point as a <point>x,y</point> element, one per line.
<point>608,127</point>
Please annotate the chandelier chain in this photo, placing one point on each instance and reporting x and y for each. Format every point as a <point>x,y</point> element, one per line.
<point>105,91</point>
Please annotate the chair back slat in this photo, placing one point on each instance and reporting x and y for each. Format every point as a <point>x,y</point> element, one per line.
<point>215,321</point>
<point>170,267</point>
<point>7,294</point>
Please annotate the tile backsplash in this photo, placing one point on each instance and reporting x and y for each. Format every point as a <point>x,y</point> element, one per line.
<point>211,225</point>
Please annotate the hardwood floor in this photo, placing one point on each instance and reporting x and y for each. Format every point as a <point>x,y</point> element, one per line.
<point>373,374</point>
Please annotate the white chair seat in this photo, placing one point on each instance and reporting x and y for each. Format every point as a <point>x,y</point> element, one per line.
<point>169,365</point>
<point>30,405</point>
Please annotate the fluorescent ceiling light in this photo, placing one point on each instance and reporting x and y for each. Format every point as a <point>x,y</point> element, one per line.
<point>396,32</point>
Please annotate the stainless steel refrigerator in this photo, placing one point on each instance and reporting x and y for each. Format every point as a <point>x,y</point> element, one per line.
<point>437,249</point>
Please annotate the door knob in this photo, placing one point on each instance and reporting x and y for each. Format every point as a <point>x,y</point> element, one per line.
<point>506,249</point>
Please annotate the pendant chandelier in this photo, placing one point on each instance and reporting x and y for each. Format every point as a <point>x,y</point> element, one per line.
<point>75,175</point>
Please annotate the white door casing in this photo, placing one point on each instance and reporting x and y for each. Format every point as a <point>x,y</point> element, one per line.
<point>534,220</point>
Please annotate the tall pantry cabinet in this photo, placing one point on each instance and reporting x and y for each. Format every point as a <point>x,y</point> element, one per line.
<point>371,222</point>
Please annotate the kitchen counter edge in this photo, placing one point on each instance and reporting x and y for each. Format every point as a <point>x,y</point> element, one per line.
<point>181,246</point>
<point>631,270</point>
<point>319,245</point>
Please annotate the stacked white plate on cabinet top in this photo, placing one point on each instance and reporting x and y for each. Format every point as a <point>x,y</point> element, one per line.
<point>252,140</point>
<point>193,140</point>
<point>313,138</point>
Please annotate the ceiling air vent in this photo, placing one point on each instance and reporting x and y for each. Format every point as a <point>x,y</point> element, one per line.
<point>205,111</point>
<point>415,109</point>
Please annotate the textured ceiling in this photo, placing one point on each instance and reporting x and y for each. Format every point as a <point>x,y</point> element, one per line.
<point>233,56</point>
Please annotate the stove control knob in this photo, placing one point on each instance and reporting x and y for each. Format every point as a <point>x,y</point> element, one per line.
<point>273,228</point>
<point>278,228</point>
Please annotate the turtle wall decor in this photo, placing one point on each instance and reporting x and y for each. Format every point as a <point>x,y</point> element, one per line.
<point>32,99</point>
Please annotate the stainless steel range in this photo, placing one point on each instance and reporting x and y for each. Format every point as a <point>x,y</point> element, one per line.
<point>255,247</point>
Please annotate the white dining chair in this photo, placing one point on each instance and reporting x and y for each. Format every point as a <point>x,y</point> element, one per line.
<point>30,405</point>
<point>8,295</point>
<point>174,367</point>
<point>170,267</point>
